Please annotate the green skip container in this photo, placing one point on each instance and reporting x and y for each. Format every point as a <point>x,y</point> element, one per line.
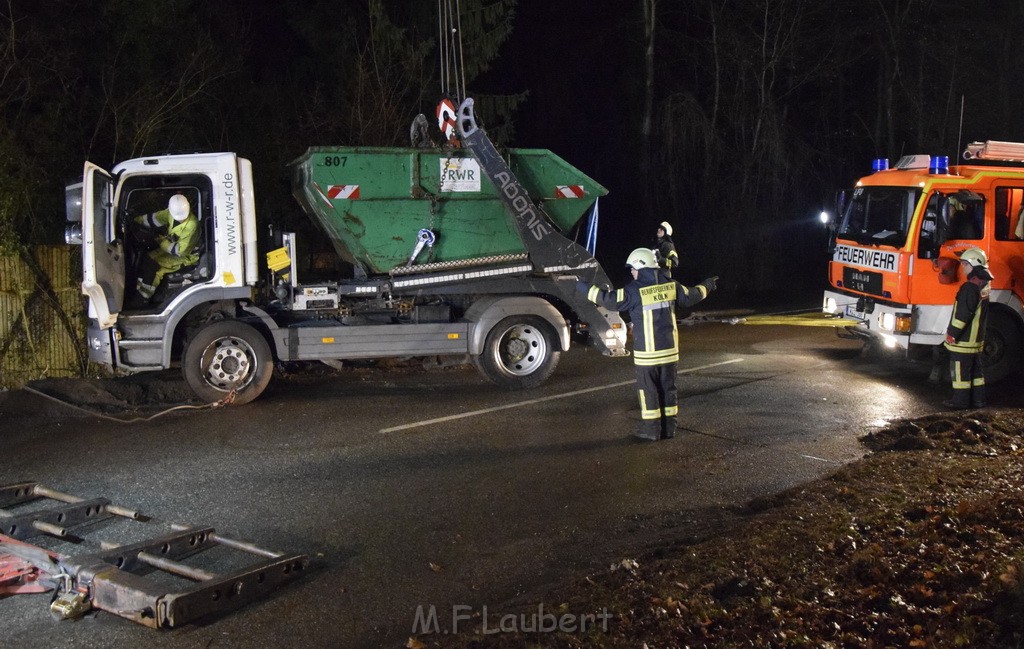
<point>373,202</point>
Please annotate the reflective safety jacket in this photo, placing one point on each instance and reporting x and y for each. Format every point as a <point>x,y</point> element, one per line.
<point>667,255</point>
<point>175,239</point>
<point>651,303</point>
<point>970,315</point>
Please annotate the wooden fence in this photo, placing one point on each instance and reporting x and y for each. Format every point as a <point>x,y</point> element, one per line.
<point>42,317</point>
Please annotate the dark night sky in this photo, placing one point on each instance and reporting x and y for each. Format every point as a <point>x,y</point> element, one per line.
<point>572,62</point>
<point>740,178</point>
<point>582,64</point>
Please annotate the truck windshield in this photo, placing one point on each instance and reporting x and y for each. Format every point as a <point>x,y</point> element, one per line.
<point>879,215</point>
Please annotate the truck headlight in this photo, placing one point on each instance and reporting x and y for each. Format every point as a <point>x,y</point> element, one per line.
<point>830,305</point>
<point>899,324</point>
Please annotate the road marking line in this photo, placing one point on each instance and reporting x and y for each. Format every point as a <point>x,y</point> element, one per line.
<point>565,395</point>
<point>820,459</point>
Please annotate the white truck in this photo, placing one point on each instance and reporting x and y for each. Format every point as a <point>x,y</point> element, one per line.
<point>227,319</point>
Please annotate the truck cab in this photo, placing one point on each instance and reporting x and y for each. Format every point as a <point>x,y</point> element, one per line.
<point>894,268</point>
<point>123,332</point>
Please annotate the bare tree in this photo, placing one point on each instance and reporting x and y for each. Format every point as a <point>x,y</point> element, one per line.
<point>650,19</point>
<point>390,74</point>
<point>895,16</point>
<point>147,112</point>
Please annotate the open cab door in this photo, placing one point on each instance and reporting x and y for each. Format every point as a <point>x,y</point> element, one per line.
<point>102,250</point>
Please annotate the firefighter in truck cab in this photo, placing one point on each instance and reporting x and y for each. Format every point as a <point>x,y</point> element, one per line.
<point>651,301</point>
<point>965,336</point>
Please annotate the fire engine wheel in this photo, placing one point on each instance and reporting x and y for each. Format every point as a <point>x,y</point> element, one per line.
<point>227,356</point>
<point>519,352</point>
<point>1002,353</point>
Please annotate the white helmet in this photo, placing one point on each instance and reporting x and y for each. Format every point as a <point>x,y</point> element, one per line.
<point>178,207</point>
<point>664,225</point>
<point>975,257</point>
<point>641,258</point>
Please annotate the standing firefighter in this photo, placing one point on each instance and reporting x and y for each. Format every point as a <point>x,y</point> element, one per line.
<point>651,302</point>
<point>965,336</point>
<point>665,249</point>
<point>176,235</point>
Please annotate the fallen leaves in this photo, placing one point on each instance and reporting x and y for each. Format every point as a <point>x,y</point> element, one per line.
<point>917,545</point>
<point>629,565</point>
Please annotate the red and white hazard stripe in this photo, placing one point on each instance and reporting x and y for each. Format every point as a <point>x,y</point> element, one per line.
<point>569,191</point>
<point>350,192</point>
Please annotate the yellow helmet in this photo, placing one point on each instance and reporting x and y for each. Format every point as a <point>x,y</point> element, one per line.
<point>667,227</point>
<point>641,258</point>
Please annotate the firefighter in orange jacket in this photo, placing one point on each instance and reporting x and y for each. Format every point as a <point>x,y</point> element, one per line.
<point>965,336</point>
<point>651,302</point>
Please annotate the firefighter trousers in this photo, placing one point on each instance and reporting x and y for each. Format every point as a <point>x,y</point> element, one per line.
<point>656,385</point>
<point>968,380</point>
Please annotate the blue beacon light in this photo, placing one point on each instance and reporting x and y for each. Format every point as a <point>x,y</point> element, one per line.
<point>939,164</point>
<point>879,164</point>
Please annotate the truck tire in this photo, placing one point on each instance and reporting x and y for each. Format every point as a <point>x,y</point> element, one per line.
<point>519,352</point>
<point>227,356</point>
<point>1002,354</point>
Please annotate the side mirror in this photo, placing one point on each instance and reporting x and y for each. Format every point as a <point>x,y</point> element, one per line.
<point>933,235</point>
<point>73,202</point>
<point>942,223</point>
<point>73,233</point>
<point>842,197</point>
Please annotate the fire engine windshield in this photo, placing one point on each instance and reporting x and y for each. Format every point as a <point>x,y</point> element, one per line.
<point>879,215</point>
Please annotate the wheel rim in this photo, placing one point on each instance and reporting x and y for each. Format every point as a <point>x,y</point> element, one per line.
<point>522,350</point>
<point>994,348</point>
<point>229,363</point>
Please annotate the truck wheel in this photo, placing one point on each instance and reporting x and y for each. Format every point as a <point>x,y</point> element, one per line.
<point>1002,352</point>
<point>225,356</point>
<point>519,352</point>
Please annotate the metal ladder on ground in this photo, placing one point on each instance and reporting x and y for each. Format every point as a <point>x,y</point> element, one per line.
<point>118,578</point>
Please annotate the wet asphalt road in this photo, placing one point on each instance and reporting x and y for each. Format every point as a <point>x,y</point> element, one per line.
<point>421,487</point>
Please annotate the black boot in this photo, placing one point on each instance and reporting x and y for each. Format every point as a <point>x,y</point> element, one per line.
<point>668,427</point>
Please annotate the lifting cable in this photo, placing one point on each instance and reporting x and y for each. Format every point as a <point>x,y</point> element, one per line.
<point>216,404</point>
<point>453,73</point>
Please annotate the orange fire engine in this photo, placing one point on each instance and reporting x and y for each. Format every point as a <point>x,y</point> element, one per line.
<point>898,237</point>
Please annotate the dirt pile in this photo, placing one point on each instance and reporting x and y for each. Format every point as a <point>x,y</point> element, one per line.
<point>916,545</point>
<point>149,389</point>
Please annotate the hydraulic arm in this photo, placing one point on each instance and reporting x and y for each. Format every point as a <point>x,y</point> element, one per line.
<point>548,250</point>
